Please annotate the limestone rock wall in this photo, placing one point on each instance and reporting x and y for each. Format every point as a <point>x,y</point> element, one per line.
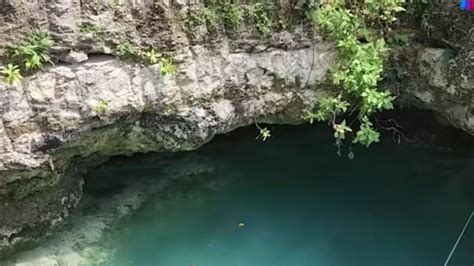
<point>436,70</point>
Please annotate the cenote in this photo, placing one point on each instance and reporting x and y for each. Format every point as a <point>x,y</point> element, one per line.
<point>293,201</point>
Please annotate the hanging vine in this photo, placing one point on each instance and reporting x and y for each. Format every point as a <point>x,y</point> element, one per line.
<point>358,29</point>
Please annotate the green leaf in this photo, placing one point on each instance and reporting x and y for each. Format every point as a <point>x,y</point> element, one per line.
<point>11,74</point>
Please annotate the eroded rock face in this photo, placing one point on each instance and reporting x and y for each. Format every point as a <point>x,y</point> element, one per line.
<point>438,74</point>
<point>434,81</point>
<point>51,125</point>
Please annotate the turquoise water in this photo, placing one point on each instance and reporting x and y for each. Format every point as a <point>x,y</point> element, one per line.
<point>292,201</point>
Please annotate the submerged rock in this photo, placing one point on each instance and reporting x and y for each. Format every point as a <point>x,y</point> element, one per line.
<point>79,242</point>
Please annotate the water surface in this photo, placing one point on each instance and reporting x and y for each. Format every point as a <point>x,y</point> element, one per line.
<point>293,201</point>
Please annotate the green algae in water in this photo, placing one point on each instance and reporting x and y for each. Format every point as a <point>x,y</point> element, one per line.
<point>300,204</point>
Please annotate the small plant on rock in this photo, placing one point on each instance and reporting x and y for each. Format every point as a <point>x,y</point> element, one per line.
<point>260,14</point>
<point>232,15</point>
<point>41,40</point>
<point>204,16</point>
<point>89,28</point>
<point>11,74</point>
<point>101,108</point>
<point>125,50</point>
<point>33,54</point>
<point>167,66</point>
<point>151,56</point>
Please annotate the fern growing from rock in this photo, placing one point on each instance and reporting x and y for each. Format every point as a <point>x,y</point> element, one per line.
<point>11,74</point>
<point>33,54</point>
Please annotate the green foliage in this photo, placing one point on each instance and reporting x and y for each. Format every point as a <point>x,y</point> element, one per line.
<point>366,134</point>
<point>225,12</point>
<point>231,14</point>
<point>33,53</point>
<point>340,130</point>
<point>284,22</point>
<point>167,66</point>
<point>30,55</point>
<point>125,50</point>
<point>98,33</point>
<point>329,108</point>
<point>307,7</point>
<point>382,10</point>
<point>360,65</point>
<point>264,134</point>
<point>399,39</point>
<point>102,107</point>
<point>151,56</point>
<point>11,74</point>
<point>40,40</point>
<point>260,14</point>
<point>204,16</point>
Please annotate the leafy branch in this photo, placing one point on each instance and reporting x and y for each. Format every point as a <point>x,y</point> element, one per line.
<point>361,54</point>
